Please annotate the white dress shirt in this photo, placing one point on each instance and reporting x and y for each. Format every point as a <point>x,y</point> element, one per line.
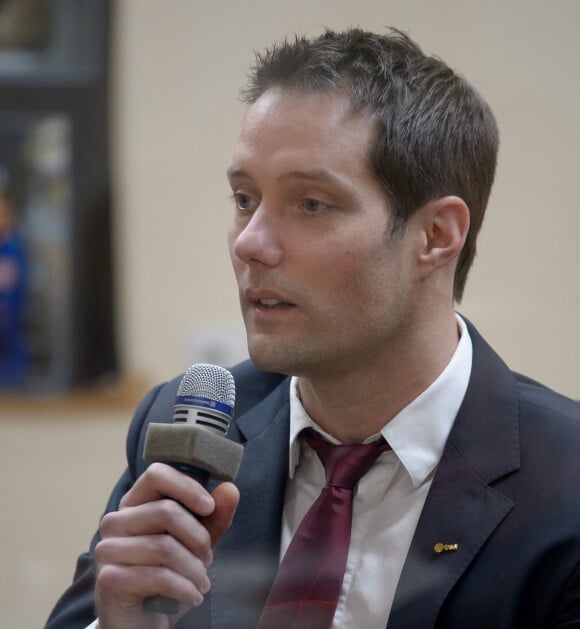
<point>389,498</point>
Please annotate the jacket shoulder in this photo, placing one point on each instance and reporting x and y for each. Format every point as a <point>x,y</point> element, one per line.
<point>537,398</point>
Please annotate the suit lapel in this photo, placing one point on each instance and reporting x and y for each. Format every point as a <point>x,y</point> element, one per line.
<point>247,558</point>
<point>462,507</point>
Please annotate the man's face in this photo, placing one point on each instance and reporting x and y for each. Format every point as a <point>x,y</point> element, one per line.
<point>322,283</point>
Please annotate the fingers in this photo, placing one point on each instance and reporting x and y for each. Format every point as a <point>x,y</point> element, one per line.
<point>165,517</point>
<point>161,551</point>
<point>159,543</point>
<point>162,481</point>
<point>122,589</point>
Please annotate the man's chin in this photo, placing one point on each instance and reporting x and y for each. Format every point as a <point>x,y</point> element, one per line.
<point>268,356</point>
<point>268,363</point>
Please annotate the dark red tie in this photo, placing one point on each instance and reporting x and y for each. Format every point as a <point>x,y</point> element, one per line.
<point>309,581</point>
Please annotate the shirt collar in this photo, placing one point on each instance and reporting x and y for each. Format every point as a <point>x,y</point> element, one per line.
<point>418,433</point>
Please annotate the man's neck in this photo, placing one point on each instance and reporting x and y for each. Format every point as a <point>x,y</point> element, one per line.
<point>358,404</point>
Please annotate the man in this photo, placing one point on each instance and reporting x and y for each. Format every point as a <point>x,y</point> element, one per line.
<point>360,178</point>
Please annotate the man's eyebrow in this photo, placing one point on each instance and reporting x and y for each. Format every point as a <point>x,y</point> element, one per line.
<point>232,172</point>
<point>318,174</point>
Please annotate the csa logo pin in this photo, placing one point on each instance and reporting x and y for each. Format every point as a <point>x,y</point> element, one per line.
<point>441,548</point>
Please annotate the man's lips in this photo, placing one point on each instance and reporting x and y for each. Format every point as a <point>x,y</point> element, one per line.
<point>266,299</point>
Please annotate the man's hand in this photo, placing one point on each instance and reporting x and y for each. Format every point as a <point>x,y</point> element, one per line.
<point>156,544</point>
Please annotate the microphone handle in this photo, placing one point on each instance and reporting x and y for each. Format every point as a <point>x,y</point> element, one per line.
<point>165,604</point>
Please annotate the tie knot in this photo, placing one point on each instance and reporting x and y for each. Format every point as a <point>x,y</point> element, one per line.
<point>344,464</point>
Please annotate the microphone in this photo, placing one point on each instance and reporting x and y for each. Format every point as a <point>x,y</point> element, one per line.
<point>196,442</point>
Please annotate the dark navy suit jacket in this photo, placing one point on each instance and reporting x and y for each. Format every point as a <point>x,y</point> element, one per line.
<point>507,492</point>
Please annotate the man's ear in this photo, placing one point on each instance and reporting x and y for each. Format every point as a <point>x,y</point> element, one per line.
<point>445,224</point>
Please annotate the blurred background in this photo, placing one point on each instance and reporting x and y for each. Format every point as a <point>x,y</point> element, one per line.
<point>116,125</point>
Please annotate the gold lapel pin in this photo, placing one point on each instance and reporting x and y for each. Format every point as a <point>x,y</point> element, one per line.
<point>439,547</point>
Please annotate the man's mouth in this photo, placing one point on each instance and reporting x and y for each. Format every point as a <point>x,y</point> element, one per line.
<point>265,298</point>
<point>270,303</point>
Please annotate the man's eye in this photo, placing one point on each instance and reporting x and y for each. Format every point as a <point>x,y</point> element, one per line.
<point>312,205</point>
<point>242,201</point>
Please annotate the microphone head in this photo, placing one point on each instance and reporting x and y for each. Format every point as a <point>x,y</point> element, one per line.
<point>209,381</point>
<point>206,396</point>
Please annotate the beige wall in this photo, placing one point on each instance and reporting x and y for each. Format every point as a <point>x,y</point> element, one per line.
<point>178,67</point>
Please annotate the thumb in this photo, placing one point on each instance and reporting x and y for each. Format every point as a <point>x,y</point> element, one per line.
<point>226,497</point>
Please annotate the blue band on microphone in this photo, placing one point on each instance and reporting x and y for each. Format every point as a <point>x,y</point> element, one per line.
<point>204,402</point>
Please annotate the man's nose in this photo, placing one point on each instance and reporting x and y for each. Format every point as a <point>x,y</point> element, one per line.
<point>260,239</point>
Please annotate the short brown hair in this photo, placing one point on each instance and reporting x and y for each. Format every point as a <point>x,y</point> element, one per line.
<point>436,136</point>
